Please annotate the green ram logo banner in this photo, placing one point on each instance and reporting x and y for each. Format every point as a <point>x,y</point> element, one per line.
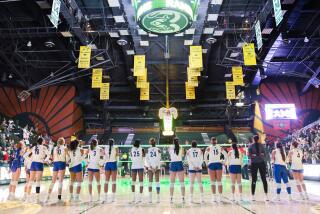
<point>165,16</point>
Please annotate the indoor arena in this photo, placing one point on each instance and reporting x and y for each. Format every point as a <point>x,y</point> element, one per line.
<point>159,106</point>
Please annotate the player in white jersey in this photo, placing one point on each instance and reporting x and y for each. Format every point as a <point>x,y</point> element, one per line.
<point>295,158</point>
<point>111,154</point>
<point>153,158</point>
<point>195,160</point>
<point>94,156</point>
<point>235,163</point>
<point>137,168</point>
<point>213,158</point>
<point>278,159</point>
<point>75,156</point>
<point>40,154</point>
<point>59,158</point>
<point>176,168</point>
<point>27,164</point>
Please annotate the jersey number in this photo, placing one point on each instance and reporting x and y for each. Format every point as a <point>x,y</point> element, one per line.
<point>215,152</point>
<point>94,153</point>
<point>195,154</point>
<point>59,151</point>
<point>298,155</point>
<point>153,154</point>
<point>136,154</point>
<point>36,150</point>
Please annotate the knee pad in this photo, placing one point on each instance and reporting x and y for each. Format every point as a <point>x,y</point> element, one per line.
<point>141,184</point>
<point>106,182</point>
<point>60,185</point>
<point>71,184</point>
<point>213,183</point>
<point>113,182</point>
<point>38,184</point>
<point>171,185</point>
<point>90,182</point>
<point>219,183</point>
<point>150,184</point>
<point>133,183</point>
<point>14,183</point>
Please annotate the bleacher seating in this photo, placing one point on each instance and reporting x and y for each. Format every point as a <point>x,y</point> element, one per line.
<point>186,136</point>
<point>144,137</point>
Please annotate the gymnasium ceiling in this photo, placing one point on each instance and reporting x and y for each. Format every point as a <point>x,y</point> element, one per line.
<point>290,50</point>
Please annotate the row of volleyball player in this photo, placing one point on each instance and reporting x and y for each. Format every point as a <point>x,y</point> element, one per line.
<point>72,155</point>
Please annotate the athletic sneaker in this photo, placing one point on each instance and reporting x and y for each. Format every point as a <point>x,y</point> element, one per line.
<point>266,198</point>
<point>171,200</point>
<point>290,197</point>
<point>253,198</point>
<point>213,199</point>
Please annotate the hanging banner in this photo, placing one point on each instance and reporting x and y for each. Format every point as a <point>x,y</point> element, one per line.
<point>142,84</point>
<point>237,75</point>
<point>84,57</point>
<point>249,54</point>
<point>139,72</point>
<point>55,10</point>
<point>145,92</point>
<point>257,28</point>
<point>196,72</point>
<point>230,91</point>
<point>193,81</point>
<point>277,11</point>
<point>142,78</point>
<point>104,91</point>
<point>195,58</point>
<point>139,62</point>
<point>96,78</point>
<point>190,92</point>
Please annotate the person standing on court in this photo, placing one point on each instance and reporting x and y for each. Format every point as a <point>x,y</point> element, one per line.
<point>257,157</point>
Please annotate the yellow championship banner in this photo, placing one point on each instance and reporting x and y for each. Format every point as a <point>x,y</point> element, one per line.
<point>194,72</point>
<point>96,78</point>
<point>142,84</point>
<point>230,91</point>
<point>195,58</point>
<point>193,81</point>
<point>84,57</point>
<point>104,91</point>
<point>139,72</point>
<point>190,92</point>
<point>249,54</point>
<point>144,92</point>
<point>237,75</point>
<point>139,62</point>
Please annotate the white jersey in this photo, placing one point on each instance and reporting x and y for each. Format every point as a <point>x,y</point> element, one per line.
<point>174,157</point>
<point>94,158</point>
<point>195,158</point>
<point>110,157</point>
<point>75,157</point>
<point>214,152</point>
<point>278,158</point>
<point>153,157</point>
<point>59,154</point>
<point>296,159</point>
<point>232,158</point>
<point>39,153</point>
<point>137,158</point>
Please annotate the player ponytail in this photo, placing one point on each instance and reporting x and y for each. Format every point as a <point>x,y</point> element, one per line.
<point>152,142</point>
<point>256,143</point>
<point>73,145</point>
<point>136,143</point>
<point>40,141</point>
<point>295,144</point>
<point>93,144</point>
<point>110,143</point>
<point>194,144</point>
<point>279,146</point>
<point>176,145</point>
<point>236,151</point>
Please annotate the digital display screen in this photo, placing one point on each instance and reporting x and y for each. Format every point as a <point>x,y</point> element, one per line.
<point>280,111</point>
